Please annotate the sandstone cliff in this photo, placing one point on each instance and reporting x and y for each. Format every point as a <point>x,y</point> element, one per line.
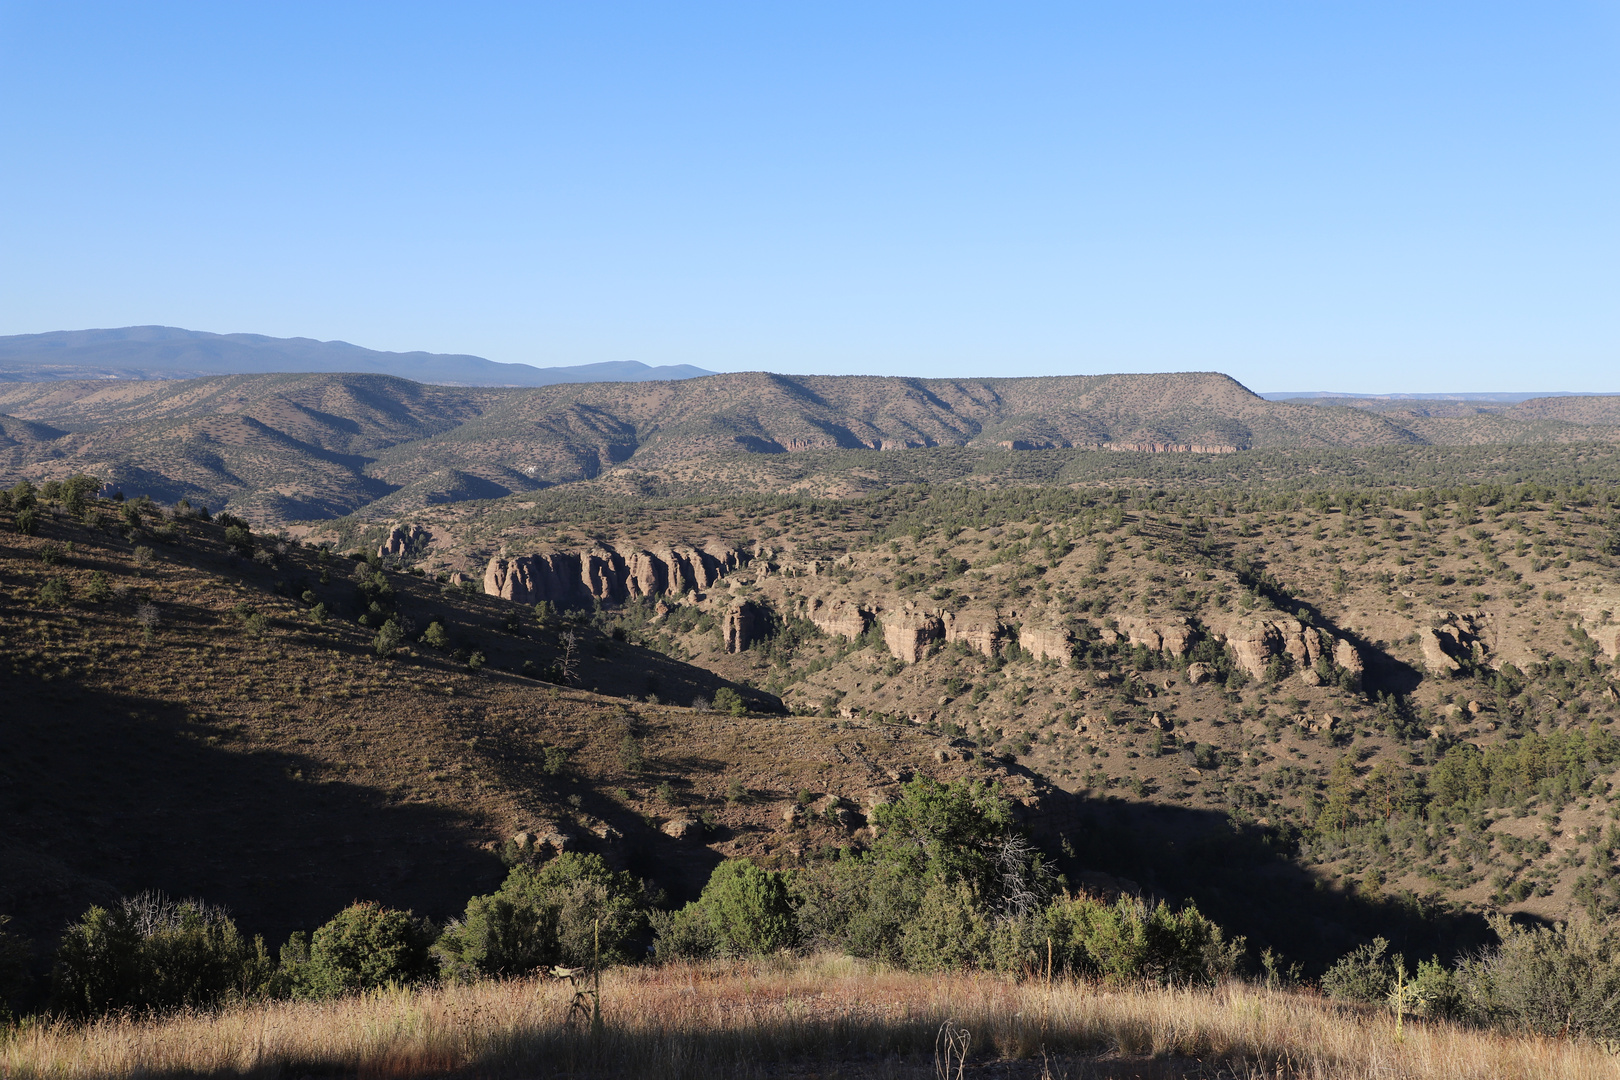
<point>603,573</point>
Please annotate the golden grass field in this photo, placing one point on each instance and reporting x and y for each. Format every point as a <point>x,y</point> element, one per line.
<point>822,1017</point>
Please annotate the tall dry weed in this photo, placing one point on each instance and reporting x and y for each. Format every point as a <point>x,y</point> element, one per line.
<point>690,1021</point>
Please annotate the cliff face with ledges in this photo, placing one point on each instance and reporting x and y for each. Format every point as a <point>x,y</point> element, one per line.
<point>604,574</point>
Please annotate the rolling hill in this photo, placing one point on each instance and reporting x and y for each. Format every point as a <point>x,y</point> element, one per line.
<point>284,447</point>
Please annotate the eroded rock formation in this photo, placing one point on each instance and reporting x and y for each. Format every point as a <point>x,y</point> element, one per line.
<point>741,627</point>
<point>603,573</point>
<point>1255,642</point>
<point>1047,642</point>
<point>838,618</point>
<point>404,540</point>
<point>978,630</point>
<point>908,634</point>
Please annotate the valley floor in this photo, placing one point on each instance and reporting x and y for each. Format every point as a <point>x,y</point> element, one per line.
<point>820,1017</point>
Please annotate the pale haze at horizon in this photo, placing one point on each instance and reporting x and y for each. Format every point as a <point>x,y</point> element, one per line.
<point>1361,197</point>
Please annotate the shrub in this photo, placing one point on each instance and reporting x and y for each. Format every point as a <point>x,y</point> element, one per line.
<point>727,700</point>
<point>1364,974</point>
<point>631,758</point>
<point>748,912</point>
<point>572,910</point>
<point>388,638</point>
<point>435,636</point>
<point>949,930</point>
<point>27,520</point>
<point>1131,939</point>
<point>97,591</point>
<point>1558,980</point>
<point>151,953</point>
<point>55,592</point>
<point>363,947</point>
<point>945,870</point>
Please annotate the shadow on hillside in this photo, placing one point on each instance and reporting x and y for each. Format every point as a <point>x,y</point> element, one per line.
<point>111,794</point>
<point>1244,877</point>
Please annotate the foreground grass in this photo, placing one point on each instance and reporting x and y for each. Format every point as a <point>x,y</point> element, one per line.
<point>824,1017</point>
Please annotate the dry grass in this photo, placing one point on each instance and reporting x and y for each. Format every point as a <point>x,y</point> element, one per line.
<point>821,1017</point>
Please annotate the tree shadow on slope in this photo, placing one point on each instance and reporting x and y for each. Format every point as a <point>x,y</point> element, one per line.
<point>110,794</point>
<point>1244,877</point>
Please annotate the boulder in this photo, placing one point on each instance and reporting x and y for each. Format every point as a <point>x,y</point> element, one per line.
<point>1199,673</point>
<point>682,829</point>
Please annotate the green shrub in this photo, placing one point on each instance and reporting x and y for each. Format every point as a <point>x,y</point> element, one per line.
<point>950,930</point>
<point>686,934</point>
<point>727,700</point>
<point>749,912</point>
<point>388,638</point>
<point>1133,940</point>
<point>97,591</point>
<point>435,636</point>
<point>27,520</point>
<point>1551,981</point>
<point>55,592</point>
<point>363,947</point>
<point>572,910</point>
<point>1365,974</point>
<point>150,953</point>
<point>937,848</point>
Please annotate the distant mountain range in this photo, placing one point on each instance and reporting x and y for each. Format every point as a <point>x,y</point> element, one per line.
<point>167,352</point>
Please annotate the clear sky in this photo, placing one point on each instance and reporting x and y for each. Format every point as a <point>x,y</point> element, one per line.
<point>1359,196</point>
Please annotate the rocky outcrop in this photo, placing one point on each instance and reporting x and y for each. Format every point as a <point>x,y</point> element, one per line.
<point>602,573</point>
<point>1451,640</point>
<point>1170,448</point>
<point>838,618</point>
<point>1254,643</point>
<point>741,627</point>
<point>1172,636</point>
<point>404,540</point>
<point>1047,642</point>
<point>1436,657</point>
<point>1347,657</point>
<point>1608,639</point>
<point>978,630</point>
<point>908,634</point>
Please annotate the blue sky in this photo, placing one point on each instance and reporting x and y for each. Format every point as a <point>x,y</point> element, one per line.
<point>1355,196</point>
